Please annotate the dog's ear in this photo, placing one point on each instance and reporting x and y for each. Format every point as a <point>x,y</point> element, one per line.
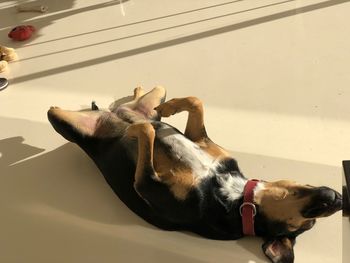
<point>279,250</point>
<point>77,125</point>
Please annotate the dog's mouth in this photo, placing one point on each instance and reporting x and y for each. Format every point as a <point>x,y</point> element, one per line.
<point>325,202</point>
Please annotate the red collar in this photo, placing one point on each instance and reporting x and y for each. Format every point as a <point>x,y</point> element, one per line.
<point>248,209</point>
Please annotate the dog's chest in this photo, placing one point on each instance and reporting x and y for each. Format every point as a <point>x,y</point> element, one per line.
<point>180,163</point>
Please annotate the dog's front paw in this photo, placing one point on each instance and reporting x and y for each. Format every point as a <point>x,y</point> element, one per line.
<point>166,109</point>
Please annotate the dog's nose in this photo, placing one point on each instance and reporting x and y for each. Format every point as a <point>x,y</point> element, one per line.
<point>338,195</point>
<point>325,201</point>
<point>326,195</point>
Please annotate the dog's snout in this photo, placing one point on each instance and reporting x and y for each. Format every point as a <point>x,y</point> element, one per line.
<point>326,195</point>
<point>325,201</point>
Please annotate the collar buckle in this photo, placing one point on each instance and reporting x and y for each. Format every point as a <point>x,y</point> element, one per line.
<point>247,204</point>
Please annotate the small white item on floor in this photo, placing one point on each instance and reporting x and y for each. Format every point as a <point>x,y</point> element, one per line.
<point>32,8</point>
<point>7,54</point>
<point>3,65</point>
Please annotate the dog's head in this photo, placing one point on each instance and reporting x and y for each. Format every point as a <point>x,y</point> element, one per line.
<point>287,209</point>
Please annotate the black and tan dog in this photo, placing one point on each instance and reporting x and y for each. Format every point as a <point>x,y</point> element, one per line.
<point>184,181</point>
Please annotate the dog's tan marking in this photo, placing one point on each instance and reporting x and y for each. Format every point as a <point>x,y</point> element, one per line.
<point>212,149</point>
<point>145,134</point>
<point>195,130</point>
<point>174,174</point>
<point>180,183</point>
<point>278,202</point>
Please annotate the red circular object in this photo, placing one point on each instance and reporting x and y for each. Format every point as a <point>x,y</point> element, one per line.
<point>21,33</point>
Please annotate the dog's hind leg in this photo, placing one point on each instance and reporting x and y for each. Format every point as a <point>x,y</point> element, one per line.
<point>138,92</point>
<point>146,103</point>
<point>141,108</point>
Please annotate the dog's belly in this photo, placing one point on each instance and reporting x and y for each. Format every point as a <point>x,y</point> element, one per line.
<point>180,163</point>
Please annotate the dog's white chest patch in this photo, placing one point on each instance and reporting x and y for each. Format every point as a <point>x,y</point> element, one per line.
<point>231,186</point>
<point>187,152</point>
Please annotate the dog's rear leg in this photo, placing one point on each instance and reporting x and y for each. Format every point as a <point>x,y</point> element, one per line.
<point>138,92</point>
<point>145,134</point>
<point>195,129</point>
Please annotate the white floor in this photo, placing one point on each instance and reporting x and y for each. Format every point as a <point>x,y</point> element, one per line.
<point>272,74</point>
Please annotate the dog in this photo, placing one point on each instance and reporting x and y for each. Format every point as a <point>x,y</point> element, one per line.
<point>184,181</point>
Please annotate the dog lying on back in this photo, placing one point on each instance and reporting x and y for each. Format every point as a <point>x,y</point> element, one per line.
<point>184,181</point>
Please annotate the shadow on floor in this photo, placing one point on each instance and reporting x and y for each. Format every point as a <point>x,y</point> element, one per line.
<point>64,184</point>
<point>63,178</point>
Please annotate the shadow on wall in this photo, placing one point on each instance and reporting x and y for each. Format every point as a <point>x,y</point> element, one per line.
<point>63,7</point>
<point>142,33</point>
<point>177,41</point>
<point>11,17</point>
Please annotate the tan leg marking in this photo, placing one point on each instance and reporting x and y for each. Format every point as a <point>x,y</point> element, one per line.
<point>178,178</point>
<point>174,174</point>
<point>145,134</point>
<point>212,148</point>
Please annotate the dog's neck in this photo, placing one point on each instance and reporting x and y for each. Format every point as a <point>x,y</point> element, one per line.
<point>231,186</point>
<point>234,188</point>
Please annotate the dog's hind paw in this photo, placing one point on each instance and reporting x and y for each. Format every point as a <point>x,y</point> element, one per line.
<point>138,92</point>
